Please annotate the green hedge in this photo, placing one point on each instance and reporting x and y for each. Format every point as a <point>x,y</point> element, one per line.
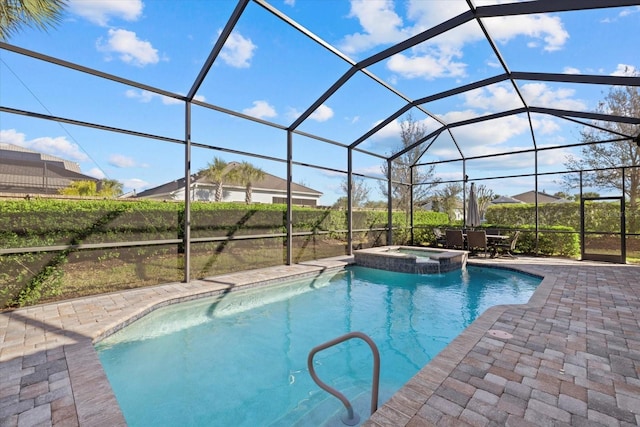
<point>601,216</point>
<point>549,214</point>
<point>54,222</point>
<point>553,241</point>
<point>32,277</point>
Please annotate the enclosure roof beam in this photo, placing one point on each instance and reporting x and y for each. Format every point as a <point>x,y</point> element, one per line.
<point>87,70</point>
<point>414,145</point>
<point>304,31</point>
<point>586,115</point>
<point>381,125</point>
<point>533,7</point>
<point>600,128</point>
<point>222,39</point>
<point>577,78</point>
<point>524,151</point>
<point>397,48</point>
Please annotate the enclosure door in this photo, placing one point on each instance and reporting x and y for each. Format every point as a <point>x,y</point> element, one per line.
<point>603,229</point>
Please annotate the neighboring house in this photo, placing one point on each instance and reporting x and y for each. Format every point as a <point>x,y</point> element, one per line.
<point>505,199</point>
<point>26,172</point>
<point>458,209</point>
<point>530,197</point>
<point>270,189</point>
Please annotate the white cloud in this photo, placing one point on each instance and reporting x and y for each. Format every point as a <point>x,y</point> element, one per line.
<point>322,114</point>
<point>426,66</point>
<point>623,14</point>
<point>393,129</point>
<point>96,173</point>
<point>390,131</point>
<point>541,95</point>
<point>380,24</point>
<point>625,70</point>
<point>442,55</point>
<point>292,113</point>
<point>100,11</point>
<point>539,28</point>
<point>290,2</point>
<point>126,45</point>
<point>56,146</point>
<point>545,126</point>
<point>486,137</point>
<point>499,97</point>
<point>261,110</point>
<point>143,96</point>
<point>167,100</point>
<point>134,184</point>
<point>237,51</point>
<point>571,70</point>
<point>120,161</point>
<point>630,11</point>
<point>492,98</point>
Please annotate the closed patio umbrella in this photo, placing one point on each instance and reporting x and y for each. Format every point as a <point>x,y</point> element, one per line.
<point>473,213</point>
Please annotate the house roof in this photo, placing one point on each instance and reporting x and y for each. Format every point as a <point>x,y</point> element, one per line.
<point>505,199</point>
<point>11,152</point>
<point>529,197</point>
<point>27,171</point>
<point>268,182</point>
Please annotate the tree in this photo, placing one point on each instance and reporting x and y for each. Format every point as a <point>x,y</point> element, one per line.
<point>563,195</point>
<point>31,13</point>
<point>80,188</point>
<point>411,131</point>
<point>448,199</point>
<point>215,172</point>
<point>591,194</point>
<point>621,101</point>
<point>359,193</point>
<point>109,188</point>
<point>245,174</point>
<point>484,196</point>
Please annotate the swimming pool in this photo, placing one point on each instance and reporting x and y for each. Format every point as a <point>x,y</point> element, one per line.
<point>240,359</point>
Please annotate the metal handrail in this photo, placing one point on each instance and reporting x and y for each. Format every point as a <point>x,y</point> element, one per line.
<point>352,418</point>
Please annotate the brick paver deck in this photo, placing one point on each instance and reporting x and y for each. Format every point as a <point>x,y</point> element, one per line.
<point>570,357</point>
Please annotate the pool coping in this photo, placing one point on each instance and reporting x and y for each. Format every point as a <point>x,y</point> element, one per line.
<point>39,336</point>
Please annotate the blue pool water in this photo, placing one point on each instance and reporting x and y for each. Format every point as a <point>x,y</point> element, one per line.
<point>240,359</point>
<point>418,253</point>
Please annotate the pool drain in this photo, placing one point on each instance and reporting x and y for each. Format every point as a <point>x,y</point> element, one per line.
<point>500,334</point>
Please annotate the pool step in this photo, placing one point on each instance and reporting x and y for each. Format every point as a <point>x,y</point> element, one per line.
<point>324,410</point>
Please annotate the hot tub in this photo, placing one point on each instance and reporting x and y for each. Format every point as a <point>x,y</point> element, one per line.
<point>411,259</point>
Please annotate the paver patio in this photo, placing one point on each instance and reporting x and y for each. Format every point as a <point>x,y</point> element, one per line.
<point>571,356</point>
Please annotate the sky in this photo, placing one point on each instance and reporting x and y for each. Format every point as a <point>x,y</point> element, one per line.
<point>270,71</point>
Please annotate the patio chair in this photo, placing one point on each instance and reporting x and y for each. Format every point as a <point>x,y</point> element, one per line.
<point>477,240</point>
<point>455,239</point>
<point>441,238</point>
<point>509,245</point>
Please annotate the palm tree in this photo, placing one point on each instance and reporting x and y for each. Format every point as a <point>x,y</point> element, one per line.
<point>215,172</point>
<point>32,13</point>
<point>80,188</point>
<point>246,174</point>
<point>109,188</point>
